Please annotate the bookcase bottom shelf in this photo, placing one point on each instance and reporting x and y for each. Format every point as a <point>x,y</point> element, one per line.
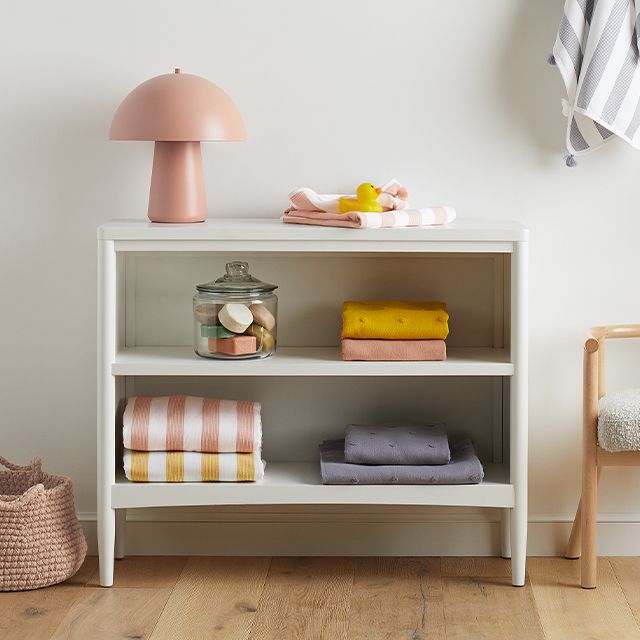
<point>299,483</point>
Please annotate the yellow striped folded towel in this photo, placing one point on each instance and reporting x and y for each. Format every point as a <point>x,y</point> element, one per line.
<point>187,423</point>
<point>395,320</point>
<point>192,466</point>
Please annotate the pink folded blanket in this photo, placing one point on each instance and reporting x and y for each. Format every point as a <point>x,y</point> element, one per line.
<point>361,220</point>
<point>393,349</point>
<point>309,207</point>
<point>187,423</point>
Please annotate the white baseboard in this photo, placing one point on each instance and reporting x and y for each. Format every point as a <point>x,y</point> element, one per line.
<point>296,532</point>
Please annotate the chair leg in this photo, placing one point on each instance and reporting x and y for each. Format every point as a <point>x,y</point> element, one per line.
<point>572,552</point>
<point>588,526</point>
<point>589,467</point>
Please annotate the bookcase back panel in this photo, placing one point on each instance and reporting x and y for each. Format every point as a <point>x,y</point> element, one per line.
<point>299,412</point>
<point>312,287</point>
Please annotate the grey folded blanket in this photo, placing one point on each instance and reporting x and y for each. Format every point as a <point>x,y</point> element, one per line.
<point>396,444</point>
<point>464,468</point>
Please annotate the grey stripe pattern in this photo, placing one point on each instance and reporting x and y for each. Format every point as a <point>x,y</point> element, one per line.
<point>571,43</point>
<point>602,53</point>
<point>577,141</point>
<point>587,9</point>
<point>635,122</point>
<point>623,82</point>
<point>603,131</point>
<point>597,51</point>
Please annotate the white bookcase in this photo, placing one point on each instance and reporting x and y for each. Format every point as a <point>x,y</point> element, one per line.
<point>147,275</point>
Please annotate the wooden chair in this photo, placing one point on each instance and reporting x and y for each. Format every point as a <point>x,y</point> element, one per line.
<point>582,540</point>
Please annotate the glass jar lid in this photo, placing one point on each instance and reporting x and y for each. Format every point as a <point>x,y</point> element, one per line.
<point>236,280</point>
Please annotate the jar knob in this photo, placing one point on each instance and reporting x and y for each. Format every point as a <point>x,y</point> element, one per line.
<point>237,269</point>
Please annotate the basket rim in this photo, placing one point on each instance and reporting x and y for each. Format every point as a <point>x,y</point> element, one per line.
<point>18,501</point>
<point>12,501</point>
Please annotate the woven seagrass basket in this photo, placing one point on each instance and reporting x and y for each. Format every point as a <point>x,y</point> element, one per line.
<point>41,542</point>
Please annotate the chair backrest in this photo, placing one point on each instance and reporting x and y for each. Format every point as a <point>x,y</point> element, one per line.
<point>596,341</point>
<point>616,331</point>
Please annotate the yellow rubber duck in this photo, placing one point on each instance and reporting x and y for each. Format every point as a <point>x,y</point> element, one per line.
<point>365,200</point>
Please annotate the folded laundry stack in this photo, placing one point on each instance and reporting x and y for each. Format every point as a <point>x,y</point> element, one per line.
<point>399,454</point>
<point>394,330</point>
<point>323,209</point>
<point>189,439</point>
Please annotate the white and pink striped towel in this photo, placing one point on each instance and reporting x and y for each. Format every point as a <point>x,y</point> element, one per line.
<point>309,207</point>
<point>187,423</point>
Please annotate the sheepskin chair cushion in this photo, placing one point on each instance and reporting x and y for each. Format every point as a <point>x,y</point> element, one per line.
<point>619,421</point>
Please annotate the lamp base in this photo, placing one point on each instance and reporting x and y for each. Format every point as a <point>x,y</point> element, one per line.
<point>177,183</point>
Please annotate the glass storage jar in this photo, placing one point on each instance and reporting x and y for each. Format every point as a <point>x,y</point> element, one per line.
<point>235,316</point>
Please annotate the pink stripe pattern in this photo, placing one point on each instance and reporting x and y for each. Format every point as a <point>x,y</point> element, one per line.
<point>187,423</point>
<point>140,423</point>
<point>425,217</point>
<point>210,424</point>
<point>175,423</point>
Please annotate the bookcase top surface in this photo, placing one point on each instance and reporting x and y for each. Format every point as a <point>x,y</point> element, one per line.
<point>273,229</point>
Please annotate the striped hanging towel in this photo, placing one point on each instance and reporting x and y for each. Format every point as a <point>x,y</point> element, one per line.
<point>597,54</point>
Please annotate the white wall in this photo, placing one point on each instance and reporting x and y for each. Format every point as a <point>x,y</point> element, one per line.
<point>454,99</point>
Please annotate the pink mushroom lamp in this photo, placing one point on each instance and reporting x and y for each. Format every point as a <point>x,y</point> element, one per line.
<point>177,111</point>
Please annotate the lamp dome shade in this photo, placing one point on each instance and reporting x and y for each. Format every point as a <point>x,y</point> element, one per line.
<point>177,107</point>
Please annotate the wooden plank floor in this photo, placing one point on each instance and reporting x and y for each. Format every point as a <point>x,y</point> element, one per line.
<point>332,598</point>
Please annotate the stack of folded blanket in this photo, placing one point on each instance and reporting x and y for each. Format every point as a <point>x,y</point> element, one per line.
<point>394,330</point>
<point>399,454</point>
<point>188,439</point>
<point>322,209</point>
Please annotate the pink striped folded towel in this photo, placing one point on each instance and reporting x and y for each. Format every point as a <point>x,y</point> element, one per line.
<point>309,207</point>
<point>402,350</point>
<point>187,423</point>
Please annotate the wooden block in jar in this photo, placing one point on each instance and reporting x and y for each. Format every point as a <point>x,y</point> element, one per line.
<point>236,346</point>
<point>262,316</point>
<point>265,340</point>
<point>215,331</point>
<point>207,313</point>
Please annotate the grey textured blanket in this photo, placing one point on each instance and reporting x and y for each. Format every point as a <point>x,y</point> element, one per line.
<point>396,444</point>
<point>464,468</point>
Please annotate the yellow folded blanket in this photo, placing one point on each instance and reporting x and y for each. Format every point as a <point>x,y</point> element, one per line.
<point>395,320</point>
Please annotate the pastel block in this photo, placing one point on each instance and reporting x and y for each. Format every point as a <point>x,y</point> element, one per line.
<point>262,316</point>
<point>236,346</point>
<point>215,331</point>
<point>207,312</point>
<point>235,317</point>
<point>265,340</point>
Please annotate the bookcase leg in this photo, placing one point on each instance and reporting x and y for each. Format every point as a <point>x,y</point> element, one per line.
<point>121,532</point>
<point>505,533</point>
<point>106,545</point>
<point>518,545</point>
<point>518,422</point>
<point>107,327</point>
